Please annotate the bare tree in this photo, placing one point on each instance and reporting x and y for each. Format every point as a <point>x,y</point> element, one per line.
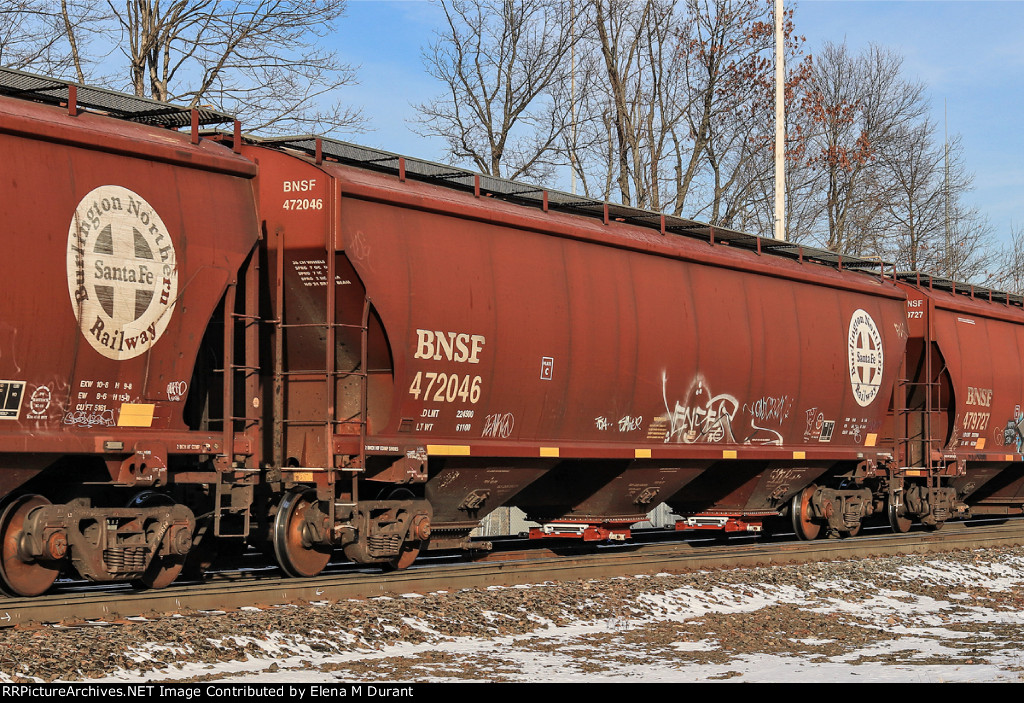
<point>730,76</point>
<point>676,103</point>
<point>642,60</point>
<point>755,212</point>
<point>927,227</point>
<point>628,99</point>
<point>1009,264</point>
<point>498,61</point>
<point>31,37</point>
<point>969,254</point>
<point>586,139</point>
<point>915,207</point>
<point>804,206</point>
<point>859,106</point>
<point>261,58</point>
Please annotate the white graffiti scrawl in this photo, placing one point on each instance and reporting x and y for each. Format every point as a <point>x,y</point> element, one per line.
<point>499,425</point>
<point>630,424</point>
<point>702,416</point>
<point>770,408</point>
<point>765,411</point>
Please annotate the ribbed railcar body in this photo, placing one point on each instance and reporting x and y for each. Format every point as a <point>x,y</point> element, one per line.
<point>975,415</point>
<point>121,240</point>
<point>211,340</point>
<point>585,372</point>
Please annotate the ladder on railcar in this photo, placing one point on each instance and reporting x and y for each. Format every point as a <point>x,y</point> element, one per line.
<point>917,446</point>
<point>919,409</point>
<point>330,374</point>
<point>241,344</point>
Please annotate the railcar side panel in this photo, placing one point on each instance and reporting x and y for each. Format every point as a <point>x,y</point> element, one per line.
<point>981,416</point>
<point>575,341</point>
<point>621,363</point>
<point>126,238</point>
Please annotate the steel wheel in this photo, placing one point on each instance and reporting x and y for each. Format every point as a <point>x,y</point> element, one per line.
<point>17,577</point>
<point>800,511</point>
<point>411,547</point>
<point>854,531</point>
<point>161,572</point>
<point>410,551</point>
<point>898,521</point>
<point>163,568</point>
<point>295,552</point>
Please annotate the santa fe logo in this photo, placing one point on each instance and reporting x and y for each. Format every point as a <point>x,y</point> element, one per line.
<point>865,358</point>
<point>122,273</point>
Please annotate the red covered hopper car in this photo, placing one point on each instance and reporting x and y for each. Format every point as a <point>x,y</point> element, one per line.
<point>309,346</point>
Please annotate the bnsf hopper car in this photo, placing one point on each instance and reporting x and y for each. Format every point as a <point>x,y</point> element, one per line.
<point>211,341</point>
<point>962,392</point>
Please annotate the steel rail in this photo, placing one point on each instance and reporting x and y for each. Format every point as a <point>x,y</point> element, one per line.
<point>232,593</point>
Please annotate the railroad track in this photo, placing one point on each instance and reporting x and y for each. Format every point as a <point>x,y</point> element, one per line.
<point>230,591</point>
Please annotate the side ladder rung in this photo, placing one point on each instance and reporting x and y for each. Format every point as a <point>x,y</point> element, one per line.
<point>317,373</point>
<point>320,325</point>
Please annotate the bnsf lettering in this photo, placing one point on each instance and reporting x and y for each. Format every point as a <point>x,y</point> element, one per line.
<point>446,388</point>
<point>453,346</point>
<point>299,186</point>
<point>979,396</point>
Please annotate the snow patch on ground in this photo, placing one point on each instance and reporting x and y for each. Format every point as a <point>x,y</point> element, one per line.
<point>954,619</point>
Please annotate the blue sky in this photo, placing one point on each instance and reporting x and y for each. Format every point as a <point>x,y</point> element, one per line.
<point>970,53</point>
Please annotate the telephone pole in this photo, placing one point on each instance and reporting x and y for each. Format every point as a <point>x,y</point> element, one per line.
<point>780,126</point>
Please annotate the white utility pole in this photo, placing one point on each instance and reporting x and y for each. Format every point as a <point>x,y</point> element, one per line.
<point>572,93</point>
<point>945,188</point>
<point>780,126</point>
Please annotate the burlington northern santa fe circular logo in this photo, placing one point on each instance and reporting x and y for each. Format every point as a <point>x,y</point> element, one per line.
<point>866,358</point>
<point>122,273</point>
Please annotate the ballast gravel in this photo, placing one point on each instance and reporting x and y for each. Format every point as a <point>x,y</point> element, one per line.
<point>954,617</point>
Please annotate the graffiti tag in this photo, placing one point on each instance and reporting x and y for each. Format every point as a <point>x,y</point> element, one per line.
<point>103,418</point>
<point>769,408</point>
<point>702,417</point>
<point>629,424</point>
<point>498,425</point>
